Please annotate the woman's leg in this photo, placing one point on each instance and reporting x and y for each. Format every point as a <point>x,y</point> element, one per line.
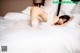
<point>37,14</point>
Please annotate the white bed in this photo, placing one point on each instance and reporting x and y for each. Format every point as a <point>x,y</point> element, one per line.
<point>21,38</point>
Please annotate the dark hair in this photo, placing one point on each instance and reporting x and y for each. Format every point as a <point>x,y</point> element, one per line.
<point>65,17</point>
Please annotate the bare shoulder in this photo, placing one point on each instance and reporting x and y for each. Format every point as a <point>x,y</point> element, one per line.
<point>56,18</point>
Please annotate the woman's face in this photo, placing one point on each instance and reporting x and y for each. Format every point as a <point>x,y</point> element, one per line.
<point>61,21</point>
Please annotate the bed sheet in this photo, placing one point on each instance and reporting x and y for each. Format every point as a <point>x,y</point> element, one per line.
<point>21,38</point>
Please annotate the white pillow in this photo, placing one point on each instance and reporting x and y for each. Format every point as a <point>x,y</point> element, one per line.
<point>75,22</point>
<point>26,10</point>
<point>16,16</point>
<point>67,8</point>
<point>76,10</point>
<point>50,7</point>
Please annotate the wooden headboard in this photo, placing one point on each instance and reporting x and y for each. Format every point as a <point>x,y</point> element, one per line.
<point>13,5</point>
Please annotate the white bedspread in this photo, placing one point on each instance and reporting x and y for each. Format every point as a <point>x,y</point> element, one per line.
<point>21,38</point>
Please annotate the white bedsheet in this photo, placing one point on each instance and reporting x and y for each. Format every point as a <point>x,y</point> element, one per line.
<point>21,38</point>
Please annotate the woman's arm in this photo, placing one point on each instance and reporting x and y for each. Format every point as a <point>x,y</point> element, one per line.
<point>34,17</point>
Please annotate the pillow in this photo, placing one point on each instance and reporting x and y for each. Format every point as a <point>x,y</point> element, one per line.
<point>75,22</point>
<point>50,7</point>
<point>67,8</point>
<point>26,10</point>
<point>16,16</point>
<point>76,10</point>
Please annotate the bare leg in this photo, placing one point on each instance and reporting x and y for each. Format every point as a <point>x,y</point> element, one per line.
<point>37,14</point>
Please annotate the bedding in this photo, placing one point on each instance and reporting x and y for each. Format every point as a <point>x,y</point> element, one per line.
<point>19,37</point>
<point>16,16</point>
<point>50,7</point>
<point>72,10</point>
<point>67,8</point>
<point>27,10</point>
<point>76,10</point>
<point>75,22</point>
<point>1,17</point>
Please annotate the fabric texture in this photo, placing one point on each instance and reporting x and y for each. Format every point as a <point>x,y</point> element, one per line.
<point>16,16</point>
<point>27,10</point>
<point>50,7</point>
<point>76,10</point>
<point>66,8</point>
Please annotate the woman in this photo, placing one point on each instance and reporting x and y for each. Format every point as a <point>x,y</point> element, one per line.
<point>38,15</point>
